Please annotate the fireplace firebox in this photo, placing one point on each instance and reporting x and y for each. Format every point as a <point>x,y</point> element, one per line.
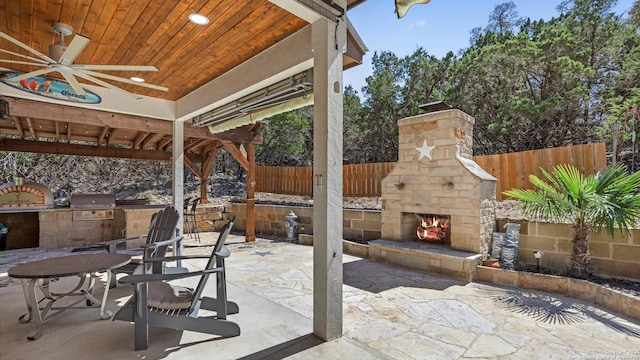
<point>430,228</point>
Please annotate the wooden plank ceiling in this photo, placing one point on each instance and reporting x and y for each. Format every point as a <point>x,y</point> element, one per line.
<point>136,32</point>
<point>152,32</point>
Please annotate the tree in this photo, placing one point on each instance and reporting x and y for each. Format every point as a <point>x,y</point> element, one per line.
<point>503,18</point>
<point>283,140</point>
<point>608,199</point>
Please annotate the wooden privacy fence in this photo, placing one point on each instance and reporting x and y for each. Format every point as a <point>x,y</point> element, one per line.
<point>512,171</point>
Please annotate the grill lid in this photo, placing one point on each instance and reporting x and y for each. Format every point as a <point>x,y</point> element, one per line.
<point>92,201</point>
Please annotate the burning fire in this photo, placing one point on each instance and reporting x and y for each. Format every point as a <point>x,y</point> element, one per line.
<point>432,228</point>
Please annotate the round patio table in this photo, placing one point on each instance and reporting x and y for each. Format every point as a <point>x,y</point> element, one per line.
<point>47,270</point>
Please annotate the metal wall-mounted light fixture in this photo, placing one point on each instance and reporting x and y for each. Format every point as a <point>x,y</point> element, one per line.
<point>4,109</point>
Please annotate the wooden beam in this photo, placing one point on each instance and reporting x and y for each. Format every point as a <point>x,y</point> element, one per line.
<point>73,115</point>
<point>152,138</point>
<point>236,153</point>
<point>81,150</point>
<point>194,145</point>
<point>103,134</point>
<point>141,136</point>
<point>19,127</point>
<point>57,131</point>
<point>68,126</point>
<point>192,165</point>
<point>162,144</point>
<point>111,136</point>
<point>250,228</point>
<point>209,162</point>
<point>32,131</point>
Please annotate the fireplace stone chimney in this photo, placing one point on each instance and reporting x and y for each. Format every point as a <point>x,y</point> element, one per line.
<point>436,174</point>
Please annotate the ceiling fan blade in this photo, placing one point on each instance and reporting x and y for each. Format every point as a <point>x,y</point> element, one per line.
<point>25,56</point>
<point>121,79</point>
<point>74,49</point>
<point>31,74</point>
<point>116,67</point>
<point>73,82</point>
<point>106,84</point>
<point>27,47</point>
<point>21,62</point>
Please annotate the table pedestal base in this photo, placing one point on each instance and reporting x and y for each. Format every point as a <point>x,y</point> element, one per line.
<point>38,310</point>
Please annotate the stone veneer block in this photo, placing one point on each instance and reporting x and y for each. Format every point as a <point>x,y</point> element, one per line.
<point>506,278</point>
<point>583,290</point>
<point>610,298</point>
<point>549,283</point>
<point>484,274</point>
<point>631,306</point>
<point>629,253</point>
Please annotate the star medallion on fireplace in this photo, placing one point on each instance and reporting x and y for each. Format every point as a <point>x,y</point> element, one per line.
<point>425,150</point>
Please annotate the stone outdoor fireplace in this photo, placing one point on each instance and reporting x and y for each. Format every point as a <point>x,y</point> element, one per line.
<point>436,177</point>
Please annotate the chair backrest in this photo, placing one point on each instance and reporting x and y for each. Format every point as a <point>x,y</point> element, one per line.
<point>194,205</point>
<point>162,227</point>
<point>214,260</point>
<point>186,203</point>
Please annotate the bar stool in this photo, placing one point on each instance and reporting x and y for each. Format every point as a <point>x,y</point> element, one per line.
<point>185,211</point>
<point>190,219</point>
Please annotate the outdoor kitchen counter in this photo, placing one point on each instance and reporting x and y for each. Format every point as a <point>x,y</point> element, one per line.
<point>55,228</point>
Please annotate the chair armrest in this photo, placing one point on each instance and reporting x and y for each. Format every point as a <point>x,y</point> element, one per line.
<point>143,278</point>
<point>174,258</point>
<point>110,245</point>
<point>163,243</point>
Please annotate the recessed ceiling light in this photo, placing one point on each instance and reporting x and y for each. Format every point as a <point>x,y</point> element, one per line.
<point>198,19</point>
<point>136,79</point>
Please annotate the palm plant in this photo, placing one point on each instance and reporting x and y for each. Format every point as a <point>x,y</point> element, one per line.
<point>609,199</point>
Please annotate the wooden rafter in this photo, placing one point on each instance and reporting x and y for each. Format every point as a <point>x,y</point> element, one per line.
<point>112,135</point>
<point>152,138</point>
<point>31,128</point>
<point>103,134</point>
<point>57,131</point>
<point>194,145</point>
<point>164,143</point>
<point>19,128</point>
<point>81,150</point>
<point>140,138</point>
<point>89,117</point>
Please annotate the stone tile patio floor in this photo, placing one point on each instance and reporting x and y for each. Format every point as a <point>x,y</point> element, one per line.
<point>397,313</point>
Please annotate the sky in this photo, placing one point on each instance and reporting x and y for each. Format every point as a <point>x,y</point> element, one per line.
<point>439,27</point>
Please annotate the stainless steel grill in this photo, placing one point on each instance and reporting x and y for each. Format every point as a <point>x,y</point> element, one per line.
<point>92,206</point>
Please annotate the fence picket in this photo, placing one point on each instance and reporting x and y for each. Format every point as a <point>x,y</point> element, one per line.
<point>512,171</point>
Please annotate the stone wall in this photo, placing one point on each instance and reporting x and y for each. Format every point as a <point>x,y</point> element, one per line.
<point>58,230</point>
<point>357,224</point>
<point>619,257</point>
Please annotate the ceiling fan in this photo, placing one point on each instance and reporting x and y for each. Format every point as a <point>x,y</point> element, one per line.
<point>61,59</point>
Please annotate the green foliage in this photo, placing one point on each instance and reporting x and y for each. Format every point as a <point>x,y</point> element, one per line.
<point>607,200</point>
<point>283,139</point>
<point>528,84</point>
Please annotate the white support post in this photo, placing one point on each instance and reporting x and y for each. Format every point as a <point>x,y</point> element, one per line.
<point>327,170</point>
<point>178,176</point>
<point>178,168</point>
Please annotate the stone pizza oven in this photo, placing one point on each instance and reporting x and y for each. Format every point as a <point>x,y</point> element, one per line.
<point>436,178</point>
